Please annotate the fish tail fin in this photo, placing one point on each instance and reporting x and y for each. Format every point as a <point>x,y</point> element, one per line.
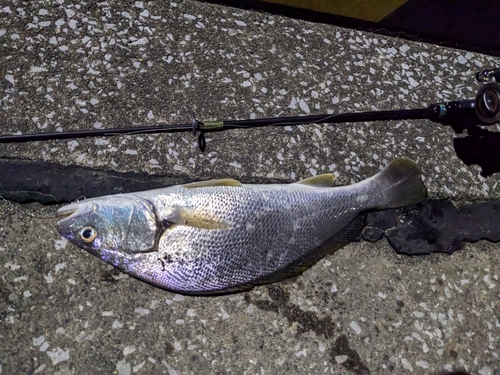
<point>400,184</point>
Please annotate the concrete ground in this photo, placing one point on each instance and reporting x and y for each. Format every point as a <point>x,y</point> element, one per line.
<point>365,309</point>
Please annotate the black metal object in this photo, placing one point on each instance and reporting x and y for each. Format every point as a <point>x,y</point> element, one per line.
<point>483,110</point>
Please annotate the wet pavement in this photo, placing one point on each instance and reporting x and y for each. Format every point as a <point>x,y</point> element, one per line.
<point>364,309</point>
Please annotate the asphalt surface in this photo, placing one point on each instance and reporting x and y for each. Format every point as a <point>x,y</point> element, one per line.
<point>365,309</point>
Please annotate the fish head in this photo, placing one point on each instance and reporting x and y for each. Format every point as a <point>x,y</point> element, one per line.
<point>117,225</point>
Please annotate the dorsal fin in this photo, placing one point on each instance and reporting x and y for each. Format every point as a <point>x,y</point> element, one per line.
<point>323,180</point>
<point>221,182</point>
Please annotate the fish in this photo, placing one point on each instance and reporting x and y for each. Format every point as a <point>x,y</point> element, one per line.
<point>223,236</point>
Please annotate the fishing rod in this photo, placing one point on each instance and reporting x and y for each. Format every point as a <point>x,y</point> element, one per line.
<point>483,110</point>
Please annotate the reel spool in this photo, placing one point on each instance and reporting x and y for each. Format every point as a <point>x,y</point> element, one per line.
<point>487,103</point>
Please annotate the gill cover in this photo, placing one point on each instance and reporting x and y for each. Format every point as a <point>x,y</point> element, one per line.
<point>125,223</point>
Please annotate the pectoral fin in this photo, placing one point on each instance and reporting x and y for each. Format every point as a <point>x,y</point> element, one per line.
<point>323,180</point>
<point>221,182</point>
<point>197,219</point>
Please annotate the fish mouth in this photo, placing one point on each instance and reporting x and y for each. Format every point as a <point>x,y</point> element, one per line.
<point>65,212</point>
<point>71,210</point>
<point>67,216</point>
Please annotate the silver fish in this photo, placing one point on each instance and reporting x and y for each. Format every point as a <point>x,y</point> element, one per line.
<point>223,236</point>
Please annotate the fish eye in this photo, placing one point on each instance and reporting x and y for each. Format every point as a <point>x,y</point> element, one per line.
<point>87,234</point>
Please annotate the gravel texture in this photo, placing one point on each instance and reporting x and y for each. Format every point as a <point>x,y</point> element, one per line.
<point>68,65</point>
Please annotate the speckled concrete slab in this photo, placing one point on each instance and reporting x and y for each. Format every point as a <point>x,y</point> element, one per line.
<point>78,65</point>
<point>362,310</point>
<point>73,65</point>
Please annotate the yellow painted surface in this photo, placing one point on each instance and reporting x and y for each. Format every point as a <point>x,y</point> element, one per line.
<point>368,10</point>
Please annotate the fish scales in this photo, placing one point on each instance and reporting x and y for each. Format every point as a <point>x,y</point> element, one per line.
<point>221,236</point>
<point>271,226</point>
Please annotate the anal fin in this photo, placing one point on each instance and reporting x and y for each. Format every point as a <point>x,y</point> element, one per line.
<point>337,241</point>
<point>221,292</point>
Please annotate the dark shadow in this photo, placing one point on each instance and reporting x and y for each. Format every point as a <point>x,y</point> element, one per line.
<point>460,24</point>
<point>26,181</point>
<point>482,149</point>
<point>434,226</point>
<point>480,146</point>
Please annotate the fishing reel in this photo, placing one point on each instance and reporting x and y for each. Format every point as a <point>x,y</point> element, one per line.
<point>466,114</point>
<point>487,102</point>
